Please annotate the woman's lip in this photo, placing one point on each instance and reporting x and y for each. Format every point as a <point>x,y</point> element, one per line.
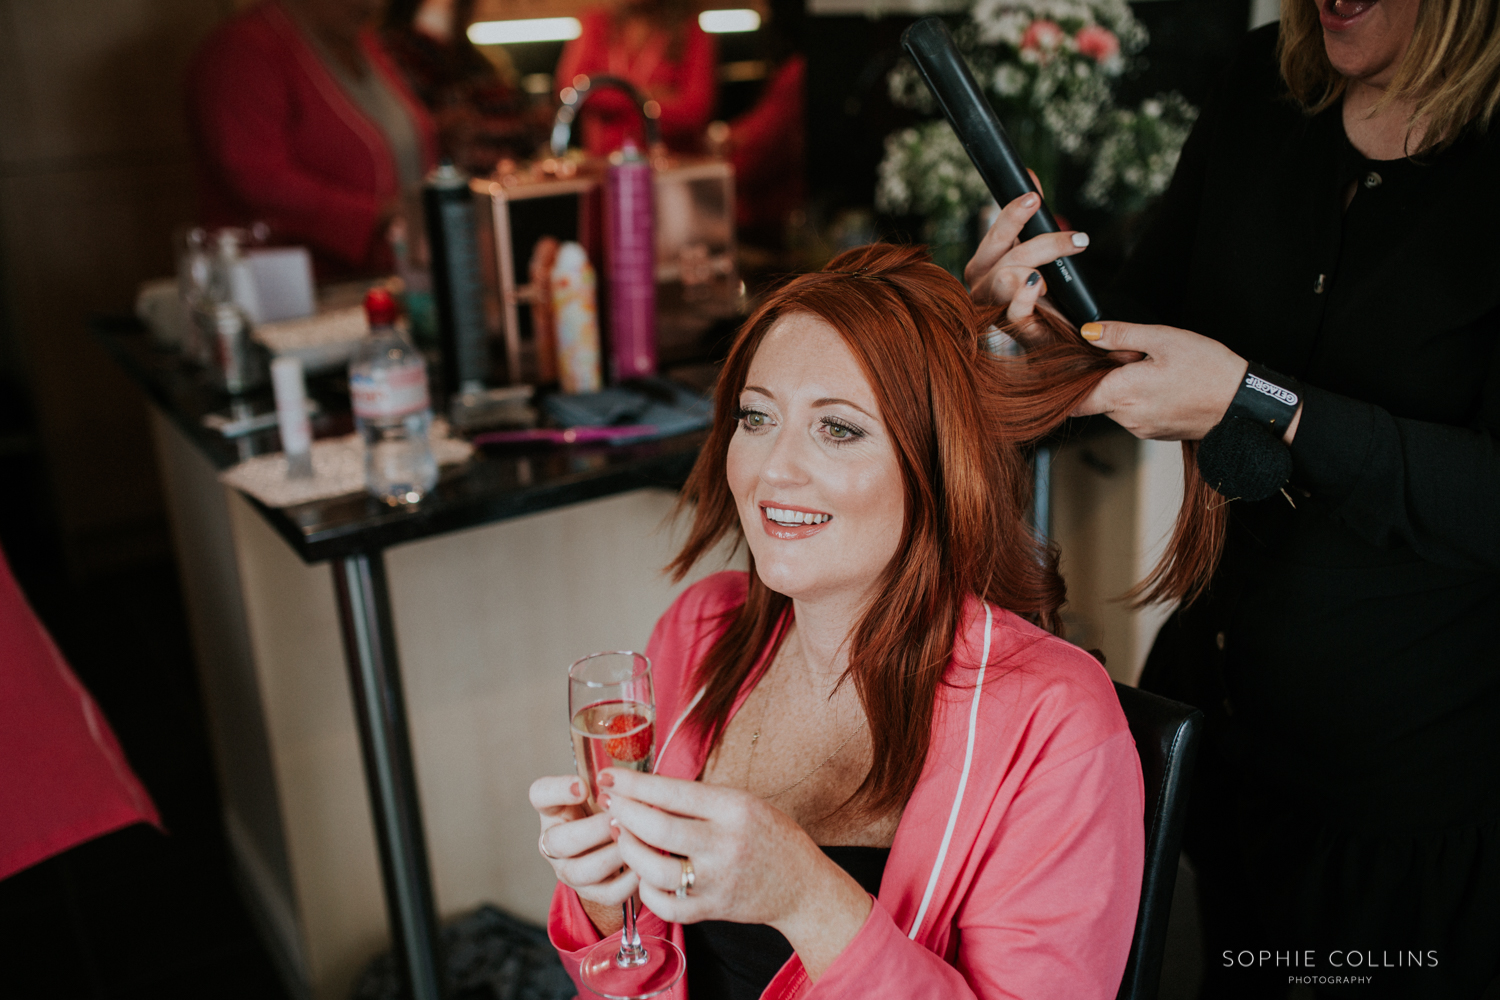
<point>790,532</point>
<point>1333,22</point>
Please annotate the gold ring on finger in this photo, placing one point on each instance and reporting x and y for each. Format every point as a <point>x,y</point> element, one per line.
<point>688,878</point>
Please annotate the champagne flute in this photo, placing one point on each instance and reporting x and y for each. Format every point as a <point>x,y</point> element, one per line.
<point>613,712</point>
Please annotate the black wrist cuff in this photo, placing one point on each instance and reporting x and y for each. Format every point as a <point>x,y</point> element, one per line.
<point>1266,398</point>
<point>1244,460</point>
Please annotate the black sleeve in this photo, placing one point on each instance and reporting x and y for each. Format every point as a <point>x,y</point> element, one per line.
<point>1434,487</point>
<point>1148,287</point>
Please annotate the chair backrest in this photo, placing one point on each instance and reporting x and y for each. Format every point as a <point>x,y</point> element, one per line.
<point>1166,736</point>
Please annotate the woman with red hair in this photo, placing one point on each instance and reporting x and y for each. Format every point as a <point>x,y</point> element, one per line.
<point>889,775</point>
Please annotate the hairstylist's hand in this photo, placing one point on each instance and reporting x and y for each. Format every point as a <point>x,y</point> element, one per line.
<point>1177,392</point>
<point>1003,271</point>
<point>751,862</point>
<point>581,850</point>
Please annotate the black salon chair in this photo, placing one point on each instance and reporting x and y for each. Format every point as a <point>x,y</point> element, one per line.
<point>1166,736</point>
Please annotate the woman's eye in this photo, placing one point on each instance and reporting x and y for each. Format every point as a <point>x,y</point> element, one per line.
<point>753,419</point>
<point>841,432</point>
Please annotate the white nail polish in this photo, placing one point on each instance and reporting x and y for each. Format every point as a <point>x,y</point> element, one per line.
<point>1080,239</point>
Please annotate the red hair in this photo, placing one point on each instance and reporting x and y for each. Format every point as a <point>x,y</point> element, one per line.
<point>960,420</point>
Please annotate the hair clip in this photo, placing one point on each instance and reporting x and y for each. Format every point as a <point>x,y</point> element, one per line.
<point>861,273</point>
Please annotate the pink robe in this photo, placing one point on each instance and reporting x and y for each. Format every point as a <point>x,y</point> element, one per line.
<point>63,777</point>
<point>1016,867</point>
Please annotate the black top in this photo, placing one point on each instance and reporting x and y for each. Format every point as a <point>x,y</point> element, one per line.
<point>1358,629</point>
<point>728,961</point>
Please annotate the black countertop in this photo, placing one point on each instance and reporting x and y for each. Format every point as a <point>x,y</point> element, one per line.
<point>491,486</point>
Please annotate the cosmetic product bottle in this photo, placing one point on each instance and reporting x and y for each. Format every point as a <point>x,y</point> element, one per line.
<point>575,317</point>
<point>630,256</point>
<point>456,290</point>
<point>291,414</point>
<point>543,328</point>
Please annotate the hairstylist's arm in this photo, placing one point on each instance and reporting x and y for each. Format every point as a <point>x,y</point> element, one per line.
<point>1177,391</point>
<point>1003,271</point>
<point>579,848</point>
<point>752,863</point>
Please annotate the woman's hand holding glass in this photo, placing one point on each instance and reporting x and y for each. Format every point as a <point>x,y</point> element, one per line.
<point>751,862</point>
<point>581,850</point>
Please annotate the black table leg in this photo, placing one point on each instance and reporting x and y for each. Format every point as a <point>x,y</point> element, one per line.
<point>375,676</point>
<point>1041,494</point>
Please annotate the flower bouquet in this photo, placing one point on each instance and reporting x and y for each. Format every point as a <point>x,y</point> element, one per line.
<point>1049,68</point>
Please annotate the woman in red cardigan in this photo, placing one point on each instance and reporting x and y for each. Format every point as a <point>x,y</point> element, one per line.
<point>658,46</point>
<point>300,120</point>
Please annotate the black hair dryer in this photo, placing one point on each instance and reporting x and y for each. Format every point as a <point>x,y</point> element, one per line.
<point>974,122</point>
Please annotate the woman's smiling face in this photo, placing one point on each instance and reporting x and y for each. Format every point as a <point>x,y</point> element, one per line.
<point>1365,39</point>
<point>812,468</point>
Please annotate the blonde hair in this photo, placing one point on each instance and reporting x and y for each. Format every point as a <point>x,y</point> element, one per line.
<point>1450,73</point>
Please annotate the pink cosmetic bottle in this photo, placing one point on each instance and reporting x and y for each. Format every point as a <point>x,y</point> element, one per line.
<point>630,253</point>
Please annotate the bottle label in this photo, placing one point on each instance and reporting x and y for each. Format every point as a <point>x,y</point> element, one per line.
<point>402,391</point>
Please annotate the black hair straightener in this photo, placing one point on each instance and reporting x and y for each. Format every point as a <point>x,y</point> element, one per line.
<point>974,122</point>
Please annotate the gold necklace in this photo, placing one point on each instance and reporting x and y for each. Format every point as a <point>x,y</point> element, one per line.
<point>755,740</point>
<point>782,791</point>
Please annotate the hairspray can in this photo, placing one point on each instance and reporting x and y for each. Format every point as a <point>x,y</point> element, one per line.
<point>457,293</point>
<point>630,252</point>
<point>575,317</point>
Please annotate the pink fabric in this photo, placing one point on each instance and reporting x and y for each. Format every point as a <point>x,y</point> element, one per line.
<point>278,141</point>
<point>1038,891</point>
<point>63,779</point>
<point>769,149</point>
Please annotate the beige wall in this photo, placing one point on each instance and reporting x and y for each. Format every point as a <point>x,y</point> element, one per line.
<point>94,176</point>
<point>1114,500</point>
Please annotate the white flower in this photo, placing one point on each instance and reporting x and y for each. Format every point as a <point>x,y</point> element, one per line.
<point>1010,80</point>
<point>1062,96</point>
<point>908,89</point>
<point>926,170</point>
<point>1000,22</point>
<point>1135,158</point>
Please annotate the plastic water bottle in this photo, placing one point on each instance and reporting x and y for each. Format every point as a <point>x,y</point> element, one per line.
<point>388,384</point>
